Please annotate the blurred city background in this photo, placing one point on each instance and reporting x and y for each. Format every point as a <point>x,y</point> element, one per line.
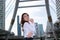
<point>46,15</point>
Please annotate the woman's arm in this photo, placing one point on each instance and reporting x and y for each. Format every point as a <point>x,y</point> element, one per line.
<point>29,34</point>
<point>27,30</point>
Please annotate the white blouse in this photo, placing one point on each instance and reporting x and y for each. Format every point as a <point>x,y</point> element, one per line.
<point>29,27</point>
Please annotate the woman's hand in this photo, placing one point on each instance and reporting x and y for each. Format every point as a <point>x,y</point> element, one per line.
<point>29,34</point>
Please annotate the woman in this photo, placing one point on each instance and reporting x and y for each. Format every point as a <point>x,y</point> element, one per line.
<point>27,27</point>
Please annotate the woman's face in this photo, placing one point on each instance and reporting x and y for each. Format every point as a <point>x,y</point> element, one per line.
<point>26,17</point>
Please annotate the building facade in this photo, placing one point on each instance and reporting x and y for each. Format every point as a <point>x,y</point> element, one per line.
<point>18,27</point>
<point>58,8</point>
<point>37,29</point>
<point>41,30</point>
<point>2,14</point>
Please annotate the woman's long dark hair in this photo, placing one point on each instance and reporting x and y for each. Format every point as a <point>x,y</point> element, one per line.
<point>22,19</point>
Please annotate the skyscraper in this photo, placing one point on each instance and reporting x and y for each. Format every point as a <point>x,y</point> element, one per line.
<point>58,8</point>
<point>2,14</point>
<point>18,27</point>
<point>40,26</point>
<point>39,30</point>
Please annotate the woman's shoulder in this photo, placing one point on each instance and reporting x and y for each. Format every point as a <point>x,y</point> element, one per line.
<point>26,23</point>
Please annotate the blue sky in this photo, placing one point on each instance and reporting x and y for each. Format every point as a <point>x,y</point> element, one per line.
<point>37,13</point>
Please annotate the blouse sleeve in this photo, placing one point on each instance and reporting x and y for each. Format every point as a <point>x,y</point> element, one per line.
<point>26,28</point>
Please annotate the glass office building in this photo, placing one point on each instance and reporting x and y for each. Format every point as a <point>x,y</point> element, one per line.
<point>58,8</point>
<point>41,30</point>
<point>2,14</point>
